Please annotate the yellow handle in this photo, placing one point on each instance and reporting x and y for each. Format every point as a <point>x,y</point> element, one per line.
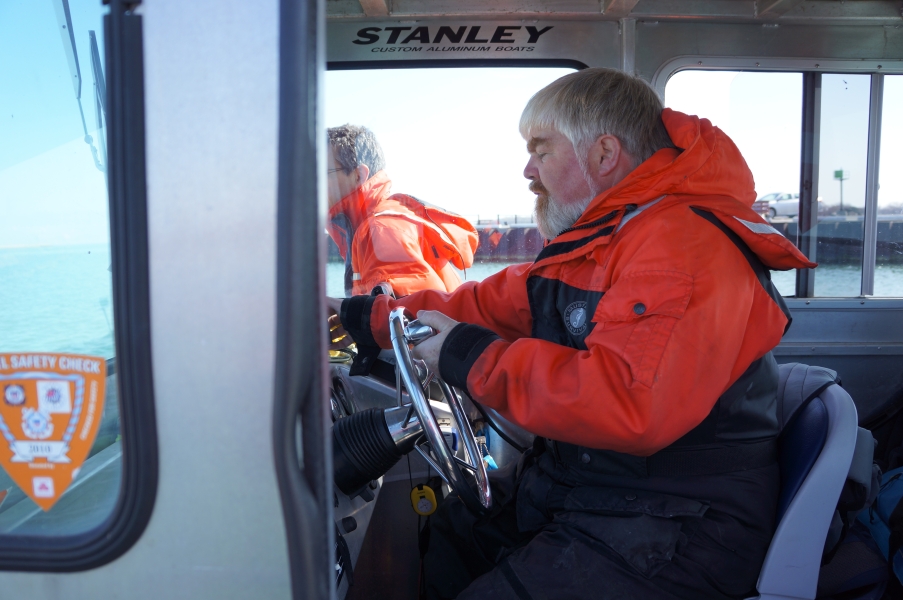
<point>423,499</point>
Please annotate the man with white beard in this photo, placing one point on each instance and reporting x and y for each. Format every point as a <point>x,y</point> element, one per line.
<point>637,347</point>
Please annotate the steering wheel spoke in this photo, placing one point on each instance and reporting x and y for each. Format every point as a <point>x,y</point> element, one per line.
<point>424,448</point>
<point>466,465</point>
<point>431,462</point>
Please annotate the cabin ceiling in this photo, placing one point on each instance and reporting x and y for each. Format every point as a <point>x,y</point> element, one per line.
<point>870,12</point>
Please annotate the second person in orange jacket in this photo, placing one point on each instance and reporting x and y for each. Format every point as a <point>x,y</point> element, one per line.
<point>385,237</point>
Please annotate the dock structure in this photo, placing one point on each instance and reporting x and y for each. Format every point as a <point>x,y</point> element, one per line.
<point>515,238</point>
<point>508,239</point>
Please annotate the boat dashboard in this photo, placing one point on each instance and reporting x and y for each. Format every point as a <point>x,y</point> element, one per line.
<point>364,408</point>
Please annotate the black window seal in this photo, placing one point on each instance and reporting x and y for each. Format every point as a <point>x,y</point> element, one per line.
<point>810,142</point>
<point>302,432</point>
<point>456,63</point>
<point>131,301</point>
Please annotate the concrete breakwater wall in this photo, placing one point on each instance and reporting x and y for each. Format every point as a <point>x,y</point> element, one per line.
<point>839,240</point>
<point>497,243</point>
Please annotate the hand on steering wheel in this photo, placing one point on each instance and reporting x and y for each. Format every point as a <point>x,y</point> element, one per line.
<point>428,350</point>
<point>338,337</point>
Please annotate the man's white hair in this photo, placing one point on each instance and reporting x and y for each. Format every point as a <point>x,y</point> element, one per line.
<point>594,102</point>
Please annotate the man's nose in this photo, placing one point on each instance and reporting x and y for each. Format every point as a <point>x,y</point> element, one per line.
<point>530,171</point>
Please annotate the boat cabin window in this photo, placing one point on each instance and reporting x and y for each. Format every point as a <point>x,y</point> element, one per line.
<point>450,138</point>
<point>61,481</point>
<point>889,270</point>
<point>59,409</point>
<point>841,183</point>
<point>763,113</point>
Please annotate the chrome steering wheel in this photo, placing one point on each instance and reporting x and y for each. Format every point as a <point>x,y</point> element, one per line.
<point>432,445</point>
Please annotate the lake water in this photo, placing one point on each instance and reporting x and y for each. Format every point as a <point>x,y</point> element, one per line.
<point>59,299</point>
<point>56,299</point>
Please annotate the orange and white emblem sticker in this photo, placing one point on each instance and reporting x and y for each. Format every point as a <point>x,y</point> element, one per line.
<point>50,410</point>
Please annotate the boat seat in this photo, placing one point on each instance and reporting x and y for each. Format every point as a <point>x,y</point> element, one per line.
<point>816,448</point>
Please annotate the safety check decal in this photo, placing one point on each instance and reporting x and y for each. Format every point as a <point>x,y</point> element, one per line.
<point>50,412</point>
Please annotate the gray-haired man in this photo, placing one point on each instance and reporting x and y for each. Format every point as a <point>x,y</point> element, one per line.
<point>637,347</point>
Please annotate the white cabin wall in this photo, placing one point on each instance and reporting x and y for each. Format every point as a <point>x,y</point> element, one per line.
<point>211,77</point>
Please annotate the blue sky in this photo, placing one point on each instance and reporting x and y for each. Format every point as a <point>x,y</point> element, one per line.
<point>42,112</point>
<point>450,136</point>
<point>50,191</point>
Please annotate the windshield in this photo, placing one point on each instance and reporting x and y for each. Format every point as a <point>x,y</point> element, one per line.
<point>450,138</point>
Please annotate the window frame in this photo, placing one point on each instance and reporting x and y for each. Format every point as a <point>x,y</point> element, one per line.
<point>812,70</point>
<point>131,308</point>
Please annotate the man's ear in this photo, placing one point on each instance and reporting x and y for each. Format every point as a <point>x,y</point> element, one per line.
<point>605,154</point>
<point>362,174</point>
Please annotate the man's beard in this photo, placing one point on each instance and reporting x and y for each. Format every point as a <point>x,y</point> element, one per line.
<point>553,217</point>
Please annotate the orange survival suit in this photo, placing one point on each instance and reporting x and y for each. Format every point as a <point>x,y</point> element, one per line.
<point>637,347</point>
<point>398,239</point>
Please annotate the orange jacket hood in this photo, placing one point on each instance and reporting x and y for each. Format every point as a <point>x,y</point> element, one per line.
<point>706,170</point>
<point>707,163</point>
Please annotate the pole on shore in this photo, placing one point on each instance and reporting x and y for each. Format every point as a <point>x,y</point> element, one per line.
<point>841,175</point>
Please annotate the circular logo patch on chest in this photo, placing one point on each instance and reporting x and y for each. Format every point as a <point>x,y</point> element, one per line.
<point>575,317</point>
